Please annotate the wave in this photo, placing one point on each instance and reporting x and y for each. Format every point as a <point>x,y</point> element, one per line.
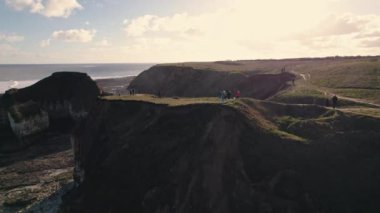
<point>6,85</point>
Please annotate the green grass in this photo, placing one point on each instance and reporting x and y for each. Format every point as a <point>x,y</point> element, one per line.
<point>367,94</point>
<point>360,74</point>
<point>373,112</point>
<point>297,123</point>
<point>164,100</point>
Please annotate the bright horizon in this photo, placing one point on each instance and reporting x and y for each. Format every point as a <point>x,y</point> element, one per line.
<point>161,31</point>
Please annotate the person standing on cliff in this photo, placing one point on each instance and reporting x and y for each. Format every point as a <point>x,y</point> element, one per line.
<point>229,94</point>
<point>237,94</point>
<point>223,95</point>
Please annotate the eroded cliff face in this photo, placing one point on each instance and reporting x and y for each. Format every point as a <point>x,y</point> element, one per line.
<point>133,156</point>
<point>62,99</point>
<point>189,82</point>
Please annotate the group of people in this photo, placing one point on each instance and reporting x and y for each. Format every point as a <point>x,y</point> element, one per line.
<point>227,94</point>
<point>334,102</point>
<point>132,91</point>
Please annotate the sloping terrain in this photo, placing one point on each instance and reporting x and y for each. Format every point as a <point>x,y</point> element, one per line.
<point>355,77</point>
<point>184,81</point>
<point>243,156</point>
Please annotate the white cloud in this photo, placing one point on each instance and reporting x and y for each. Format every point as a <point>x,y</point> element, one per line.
<point>341,25</point>
<point>33,6</point>
<point>371,43</point>
<point>251,29</point>
<point>6,49</point>
<point>71,36</point>
<point>48,8</point>
<point>45,43</point>
<point>11,37</point>
<point>74,35</point>
<point>103,43</point>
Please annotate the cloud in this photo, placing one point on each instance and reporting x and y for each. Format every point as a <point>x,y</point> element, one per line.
<point>11,37</point>
<point>103,43</point>
<point>48,8</point>
<point>45,43</point>
<point>180,24</point>
<point>74,35</point>
<point>6,49</point>
<point>373,43</point>
<point>71,36</point>
<point>369,34</point>
<point>341,32</point>
<point>343,24</point>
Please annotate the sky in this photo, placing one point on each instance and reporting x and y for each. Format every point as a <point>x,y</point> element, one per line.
<point>155,31</point>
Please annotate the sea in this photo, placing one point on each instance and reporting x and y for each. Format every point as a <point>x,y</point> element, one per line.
<point>20,76</point>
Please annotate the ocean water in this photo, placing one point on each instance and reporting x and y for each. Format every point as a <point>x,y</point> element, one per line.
<point>19,76</point>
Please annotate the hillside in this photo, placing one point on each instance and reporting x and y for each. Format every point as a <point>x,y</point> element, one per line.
<point>185,81</point>
<point>354,77</point>
<point>144,154</point>
<point>355,80</point>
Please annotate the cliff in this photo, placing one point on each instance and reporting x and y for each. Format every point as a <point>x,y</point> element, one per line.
<point>244,156</point>
<point>57,102</point>
<point>77,89</point>
<point>183,81</point>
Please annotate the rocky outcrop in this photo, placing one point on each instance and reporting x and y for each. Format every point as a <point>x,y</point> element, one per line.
<point>185,81</point>
<point>61,94</point>
<point>134,156</point>
<point>57,102</point>
<point>27,119</point>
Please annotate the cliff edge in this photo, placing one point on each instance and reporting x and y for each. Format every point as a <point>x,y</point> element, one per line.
<point>244,156</point>
<point>57,103</point>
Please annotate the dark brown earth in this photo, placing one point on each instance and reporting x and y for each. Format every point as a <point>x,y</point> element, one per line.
<point>245,157</point>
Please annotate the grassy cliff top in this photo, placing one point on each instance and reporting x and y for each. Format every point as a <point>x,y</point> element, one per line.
<point>296,122</point>
<point>275,65</point>
<point>164,100</point>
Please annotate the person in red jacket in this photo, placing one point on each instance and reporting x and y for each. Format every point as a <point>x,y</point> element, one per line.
<point>237,94</point>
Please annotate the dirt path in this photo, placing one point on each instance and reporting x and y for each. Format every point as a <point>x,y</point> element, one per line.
<point>306,77</point>
<point>362,101</point>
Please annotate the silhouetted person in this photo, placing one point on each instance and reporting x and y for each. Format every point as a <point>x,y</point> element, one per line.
<point>237,94</point>
<point>223,95</point>
<point>293,82</point>
<point>229,94</point>
<point>334,101</point>
<point>283,69</point>
<point>327,103</point>
<point>159,93</point>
